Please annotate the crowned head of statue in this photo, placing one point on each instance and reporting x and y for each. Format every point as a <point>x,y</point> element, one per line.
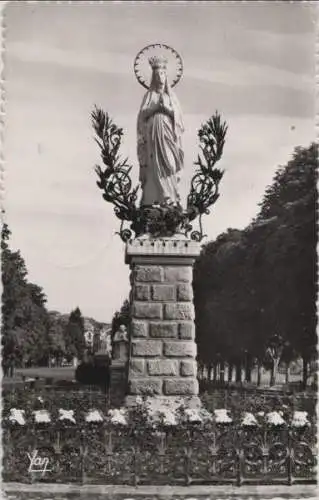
<point>159,72</point>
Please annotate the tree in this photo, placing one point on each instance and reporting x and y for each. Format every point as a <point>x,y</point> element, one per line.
<point>273,355</point>
<point>223,301</point>
<point>289,210</point>
<point>74,334</point>
<point>56,337</point>
<point>251,285</point>
<point>23,308</point>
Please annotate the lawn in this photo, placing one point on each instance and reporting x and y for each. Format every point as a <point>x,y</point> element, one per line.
<point>42,372</point>
<point>63,372</point>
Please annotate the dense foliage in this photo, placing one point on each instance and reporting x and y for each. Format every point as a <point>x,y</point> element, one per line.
<point>255,290</point>
<point>31,335</point>
<point>24,316</point>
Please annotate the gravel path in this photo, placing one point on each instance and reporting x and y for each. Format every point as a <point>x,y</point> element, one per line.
<point>16,491</point>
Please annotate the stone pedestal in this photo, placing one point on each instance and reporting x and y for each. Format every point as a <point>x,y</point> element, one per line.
<point>118,369</point>
<point>118,382</point>
<point>120,350</point>
<point>162,357</point>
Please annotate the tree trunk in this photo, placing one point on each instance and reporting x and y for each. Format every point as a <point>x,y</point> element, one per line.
<point>215,373</point>
<point>248,369</point>
<point>230,372</point>
<point>273,372</point>
<point>258,373</point>
<point>287,373</point>
<point>238,371</point>
<point>222,371</point>
<point>304,372</point>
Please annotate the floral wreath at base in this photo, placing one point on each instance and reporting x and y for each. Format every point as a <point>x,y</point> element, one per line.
<point>159,220</point>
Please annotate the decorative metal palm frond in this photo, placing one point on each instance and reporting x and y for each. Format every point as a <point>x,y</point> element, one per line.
<point>114,180</point>
<point>204,190</point>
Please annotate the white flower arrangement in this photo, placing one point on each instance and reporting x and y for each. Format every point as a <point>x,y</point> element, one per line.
<point>41,416</point>
<point>197,415</point>
<point>67,415</point>
<point>118,416</point>
<point>17,416</point>
<point>300,419</point>
<point>206,416</point>
<point>168,413</point>
<point>192,415</point>
<point>249,420</point>
<point>164,416</point>
<point>94,416</point>
<point>275,418</point>
<point>222,416</point>
<point>139,400</point>
<point>167,417</point>
<point>161,411</point>
<point>172,411</point>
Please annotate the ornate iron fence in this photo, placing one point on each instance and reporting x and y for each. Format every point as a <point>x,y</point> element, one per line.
<point>104,455</point>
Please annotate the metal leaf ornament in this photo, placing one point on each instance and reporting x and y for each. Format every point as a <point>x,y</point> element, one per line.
<point>204,190</point>
<point>114,180</point>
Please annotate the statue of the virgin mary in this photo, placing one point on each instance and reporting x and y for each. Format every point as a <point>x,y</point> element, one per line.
<point>159,148</point>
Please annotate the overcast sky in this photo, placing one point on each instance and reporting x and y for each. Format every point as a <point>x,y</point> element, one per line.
<point>254,62</point>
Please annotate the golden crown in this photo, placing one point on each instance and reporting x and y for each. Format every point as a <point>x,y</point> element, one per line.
<point>158,62</point>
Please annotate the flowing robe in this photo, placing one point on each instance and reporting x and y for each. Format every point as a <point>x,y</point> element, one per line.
<point>159,148</point>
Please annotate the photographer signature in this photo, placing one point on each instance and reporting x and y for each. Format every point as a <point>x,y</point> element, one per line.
<point>37,463</point>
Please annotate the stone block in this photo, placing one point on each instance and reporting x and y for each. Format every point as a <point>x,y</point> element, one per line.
<point>180,349</point>
<point>164,293</point>
<point>148,273</point>
<point>142,292</point>
<point>188,368</point>
<point>137,367</point>
<point>145,386</point>
<point>139,329</point>
<point>186,330</point>
<point>164,329</point>
<point>162,367</point>
<point>185,292</point>
<point>146,348</point>
<point>174,274</point>
<point>181,386</point>
<point>147,310</point>
<point>179,310</point>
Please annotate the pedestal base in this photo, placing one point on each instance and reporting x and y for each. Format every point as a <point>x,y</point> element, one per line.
<point>162,360</point>
<point>192,402</point>
<point>118,382</point>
